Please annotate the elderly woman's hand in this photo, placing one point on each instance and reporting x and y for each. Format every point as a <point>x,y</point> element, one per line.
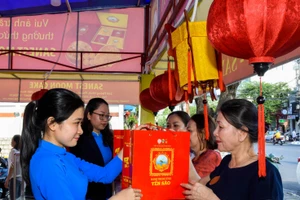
<point>197,191</point>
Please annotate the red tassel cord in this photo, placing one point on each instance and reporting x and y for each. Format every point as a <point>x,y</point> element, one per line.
<point>186,97</point>
<point>261,142</point>
<point>189,72</point>
<point>169,81</point>
<point>190,54</point>
<point>205,113</point>
<point>220,72</point>
<point>261,135</point>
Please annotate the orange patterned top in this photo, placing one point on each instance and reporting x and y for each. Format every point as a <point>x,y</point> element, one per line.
<point>207,162</point>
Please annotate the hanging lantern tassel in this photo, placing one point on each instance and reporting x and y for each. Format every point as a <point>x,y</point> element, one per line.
<point>261,50</point>
<point>190,63</point>
<point>220,72</point>
<point>205,109</point>
<point>169,80</point>
<point>261,134</point>
<point>205,113</point>
<point>260,68</point>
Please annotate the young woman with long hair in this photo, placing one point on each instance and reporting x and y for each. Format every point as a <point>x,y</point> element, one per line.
<point>51,124</point>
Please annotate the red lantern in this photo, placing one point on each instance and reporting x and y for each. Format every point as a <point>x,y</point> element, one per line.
<point>38,94</point>
<point>161,87</point>
<point>256,30</point>
<point>149,103</point>
<point>259,31</point>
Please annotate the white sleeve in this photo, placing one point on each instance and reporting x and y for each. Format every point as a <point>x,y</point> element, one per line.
<point>11,158</point>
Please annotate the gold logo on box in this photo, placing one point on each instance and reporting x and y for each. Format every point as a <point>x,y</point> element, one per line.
<point>161,161</point>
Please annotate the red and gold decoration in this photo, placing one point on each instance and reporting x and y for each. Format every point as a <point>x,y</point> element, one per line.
<point>155,161</point>
<point>258,33</point>
<point>198,66</point>
<point>148,102</point>
<point>163,89</point>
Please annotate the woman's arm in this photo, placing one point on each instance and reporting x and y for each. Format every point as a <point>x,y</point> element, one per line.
<point>10,173</point>
<point>120,154</point>
<point>204,180</point>
<point>193,175</point>
<point>106,174</point>
<point>11,167</point>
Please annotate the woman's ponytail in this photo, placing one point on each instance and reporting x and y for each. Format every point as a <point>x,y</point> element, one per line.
<point>31,134</point>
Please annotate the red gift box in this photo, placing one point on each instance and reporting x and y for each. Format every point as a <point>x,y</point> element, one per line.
<point>156,162</point>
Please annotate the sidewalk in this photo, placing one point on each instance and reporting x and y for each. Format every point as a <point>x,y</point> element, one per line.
<point>295,143</point>
<point>289,195</point>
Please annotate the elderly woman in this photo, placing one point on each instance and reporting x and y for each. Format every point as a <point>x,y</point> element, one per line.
<point>237,175</point>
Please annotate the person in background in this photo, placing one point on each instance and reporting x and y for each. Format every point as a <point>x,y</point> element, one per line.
<point>3,161</point>
<point>177,120</point>
<point>294,135</point>
<point>14,163</point>
<point>96,143</point>
<point>51,124</point>
<point>206,158</point>
<point>237,177</point>
<point>277,136</point>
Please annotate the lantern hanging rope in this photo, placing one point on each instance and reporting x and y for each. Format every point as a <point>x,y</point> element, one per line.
<point>179,94</point>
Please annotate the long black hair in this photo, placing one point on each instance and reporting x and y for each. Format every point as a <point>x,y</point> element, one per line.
<point>87,127</point>
<point>57,103</point>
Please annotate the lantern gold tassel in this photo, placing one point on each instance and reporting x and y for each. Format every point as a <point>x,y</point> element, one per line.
<point>261,135</point>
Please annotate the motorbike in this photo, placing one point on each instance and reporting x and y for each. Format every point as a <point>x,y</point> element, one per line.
<point>3,175</point>
<point>297,138</point>
<point>277,141</point>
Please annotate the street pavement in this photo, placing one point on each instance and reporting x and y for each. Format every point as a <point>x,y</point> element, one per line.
<point>295,143</point>
<point>290,195</point>
<point>287,168</point>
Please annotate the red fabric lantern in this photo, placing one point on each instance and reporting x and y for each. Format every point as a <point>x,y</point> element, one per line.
<point>38,94</point>
<point>161,87</point>
<point>259,31</point>
<point>149,103</point>
<point>256,30</point>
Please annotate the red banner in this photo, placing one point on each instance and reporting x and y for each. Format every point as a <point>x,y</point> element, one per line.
<point>112,92</point>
